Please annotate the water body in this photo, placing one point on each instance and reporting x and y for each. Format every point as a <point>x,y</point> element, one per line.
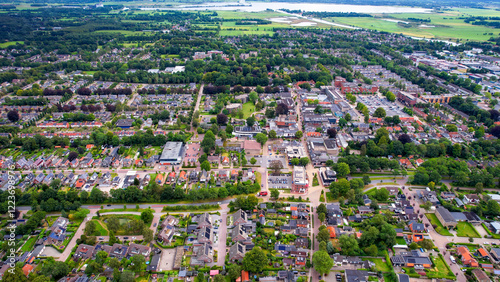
<point>308,7</point>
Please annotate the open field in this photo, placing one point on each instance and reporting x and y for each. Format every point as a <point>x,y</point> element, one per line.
<point>465,229</point>
<point>445,25</point>
<point>10,43</point>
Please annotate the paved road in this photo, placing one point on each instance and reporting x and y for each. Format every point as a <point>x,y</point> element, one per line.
<point>221,250</point>
<point>197,106</point>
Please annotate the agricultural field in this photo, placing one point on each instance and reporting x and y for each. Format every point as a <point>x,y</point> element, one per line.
<point>446,25</point>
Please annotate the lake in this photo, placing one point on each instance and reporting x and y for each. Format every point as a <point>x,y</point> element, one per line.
<point>308,7</point>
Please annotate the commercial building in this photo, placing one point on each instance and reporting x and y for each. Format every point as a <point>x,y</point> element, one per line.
<point>445,217</point>
<point>300,183</point>
<point>172,153</point>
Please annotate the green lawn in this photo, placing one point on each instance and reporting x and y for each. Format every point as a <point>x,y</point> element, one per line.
<point>440,228</point>
<point>380,264</point>
<point>29,244</point>
<point>441,269</point>
<point>400,241</point>
<point>248,109</point>
<point>10,43</point>
<point>465,229</point>
<point>100,227</point>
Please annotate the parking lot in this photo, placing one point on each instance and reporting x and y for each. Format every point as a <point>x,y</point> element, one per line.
<point>373,102</point>
<point>192,153</point>
<point>266,160</point>
<point>283,181</point>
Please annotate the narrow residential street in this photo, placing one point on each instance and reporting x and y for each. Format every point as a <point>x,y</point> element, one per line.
<point>221,249</point>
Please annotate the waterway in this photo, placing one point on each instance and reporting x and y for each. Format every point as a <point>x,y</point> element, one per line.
<point>307,7</point>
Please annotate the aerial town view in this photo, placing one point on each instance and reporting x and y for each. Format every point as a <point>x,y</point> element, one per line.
<point>297,141</point>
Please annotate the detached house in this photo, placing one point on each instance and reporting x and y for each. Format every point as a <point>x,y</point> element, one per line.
<point>237,252</point>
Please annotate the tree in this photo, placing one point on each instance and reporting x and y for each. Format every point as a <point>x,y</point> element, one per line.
<point>261,138</point>
<point>251,121</point>
<point>372,250</point>
<point>298,134</point>
<point>281,109</point>
<point>275,193</point>
<point>253,97</point>
<point>382,194</point>
<point>234,272</point>
<point>219,278</point>
<point>13,116</point>
<point>332,132</point>
<point>54,269</point>
<point>255,260</point>
<point>272,134</point>
<point>366,179</point>
<point>426,244</point>
<point>323,235</point>
<point>342,169</point>
<point>127,276</point>
<point>113,224</point>
<point>321,209</point>
<point>229,129</point>
<point>137,263</point>
<point>304,161</point>
<point>221,119</point>
<point>321,217</point>
<point>379,112</point>
<point>348,245</point>
<point>322,262</point>
<point>90,228</point>
<point>147,216</point>
<point>276,167</point>
<point>427,205</point>
<point>479,188</point>
<point>72,156</point>
<point>205,166</point>
<point>14,275</point>
<point>253,161</point>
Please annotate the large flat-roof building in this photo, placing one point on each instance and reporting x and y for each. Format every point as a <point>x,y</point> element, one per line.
<point>300,183</point>
<point>172,153</point>
<point>445,217</point>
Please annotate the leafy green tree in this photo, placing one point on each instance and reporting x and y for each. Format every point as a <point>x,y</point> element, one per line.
<point>304,161</point>
<point>127,276</point>
<point>261,138</point>
<point>90,228</point>
<point>272,134</point>
<point>14,275</point>
<point>251,121</point>
<point>147,215</point>
<point>382,194</point>
<point>321,217</point>
<point>255,260</point>
<point>322,262</point>
<point>113,224</point>
<point>323,235</point>
<point>234,272</point>
<point>275,193</point>
<point>379,112</point>
<point>205,166</point>
<point>342,169</point>
<point>299,134</point>
<point>137,263</point>
<point>253,161</point>
<point>321,209</point>
<point>348,245</point>
<point>372,250</point>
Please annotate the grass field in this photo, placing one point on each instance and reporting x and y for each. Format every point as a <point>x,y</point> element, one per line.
<point>101,229</point>
<point>29,244</point>
<point>248,109</point>
<point>10,43</point>
<point>380,264</point>
<point>441,269</point>
<point>465,229</point>
<point>445,25</point>
<point>440,228</point>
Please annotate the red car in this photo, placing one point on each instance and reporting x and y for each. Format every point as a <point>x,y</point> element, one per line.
<point>263,194</point>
